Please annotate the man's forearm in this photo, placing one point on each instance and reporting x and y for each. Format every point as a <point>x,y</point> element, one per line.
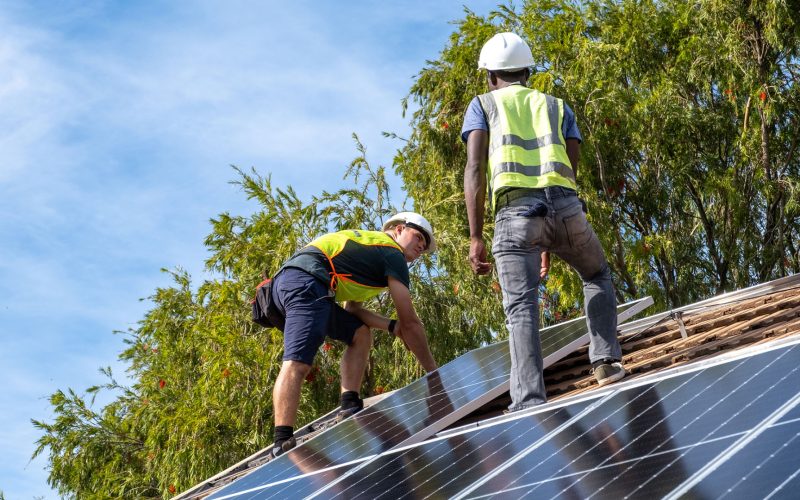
<point>369,318</point>
<point>475,180</point>
<point>574,154</point>
<point>414,337</point>
<point>475,198</point>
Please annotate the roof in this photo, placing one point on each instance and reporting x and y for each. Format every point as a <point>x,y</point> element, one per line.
<point>652,347</point>
<point>656,343</point>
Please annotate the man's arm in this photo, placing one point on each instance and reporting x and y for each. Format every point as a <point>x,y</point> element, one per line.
<point>409,326</point>
<point>475,197</point>
<point>574,154</point>
<point>369,318</point>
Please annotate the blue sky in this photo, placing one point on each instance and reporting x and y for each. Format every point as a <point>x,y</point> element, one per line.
<point>118,125</point>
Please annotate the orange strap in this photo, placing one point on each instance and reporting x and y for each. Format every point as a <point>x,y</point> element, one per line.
<point>259,286</point>
<point>334,274</point>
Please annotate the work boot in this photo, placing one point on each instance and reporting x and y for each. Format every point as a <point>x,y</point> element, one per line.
<point>281,447</point>
<point>350,404</point>
<point>608,372</point>
<point>345,413</point>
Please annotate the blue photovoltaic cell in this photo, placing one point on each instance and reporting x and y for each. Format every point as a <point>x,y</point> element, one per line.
<point>390,421</point>
<point>297,487</point>
<point>644,441</point>
<point>639,442</point>
<point>769,466</point>
<point>443,467</point>
<point>416,411</point>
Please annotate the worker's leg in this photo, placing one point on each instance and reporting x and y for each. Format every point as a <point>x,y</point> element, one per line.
<point>305,303</point>
<point>577,244</point>
<point>518,258</point>
<point>347,328</point>
<point>354,359</point>
<point>286,394</point>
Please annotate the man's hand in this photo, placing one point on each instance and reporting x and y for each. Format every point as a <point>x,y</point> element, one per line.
<point>477,257</point>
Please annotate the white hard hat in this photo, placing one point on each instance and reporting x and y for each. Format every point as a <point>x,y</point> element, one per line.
<point>505,52</point>
<point>415,221</point>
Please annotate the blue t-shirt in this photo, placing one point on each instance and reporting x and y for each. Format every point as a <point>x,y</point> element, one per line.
<point>474,119</point>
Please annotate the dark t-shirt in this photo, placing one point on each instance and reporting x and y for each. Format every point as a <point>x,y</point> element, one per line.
<point>366,264</point>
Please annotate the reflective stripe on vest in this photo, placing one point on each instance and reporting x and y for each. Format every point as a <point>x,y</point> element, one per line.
<point>526,143</point>
<point>332,245</point>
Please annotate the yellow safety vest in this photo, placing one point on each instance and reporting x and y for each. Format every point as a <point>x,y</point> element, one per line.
<point>527,148</point>
<point>332,245</point>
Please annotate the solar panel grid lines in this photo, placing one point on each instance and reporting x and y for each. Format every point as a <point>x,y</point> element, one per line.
<point>481,424</point>
<point>556,341</point>
<point>738,445</point>
<point>610,458</point>
<point>417,411</point>
<point>297,484</point>
<point>429,468</point>
<point>633,441</point>
<point>346,441</point>
<point>766,468</point>
<point>587,432</point>
<point>661,458</point>
<point>529,449</point>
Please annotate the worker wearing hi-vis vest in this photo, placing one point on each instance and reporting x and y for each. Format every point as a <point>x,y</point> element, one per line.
<point>348,266</point>
<point>525,145</point>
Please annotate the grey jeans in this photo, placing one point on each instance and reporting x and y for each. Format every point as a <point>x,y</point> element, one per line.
<point>551,219</point>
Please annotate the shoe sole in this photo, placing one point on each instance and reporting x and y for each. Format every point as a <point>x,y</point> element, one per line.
<point>612,378</point>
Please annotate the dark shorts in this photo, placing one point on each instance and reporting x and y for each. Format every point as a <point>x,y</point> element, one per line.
<point>311,315</point>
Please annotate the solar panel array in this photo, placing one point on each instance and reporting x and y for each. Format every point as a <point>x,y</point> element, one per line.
<point>407,416</point>
<point>729,429</point>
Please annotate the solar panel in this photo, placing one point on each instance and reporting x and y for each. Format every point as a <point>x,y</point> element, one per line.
<point>417,411</point>
<point>769,467</point>
<point>640,440</point>
<point>644,440</point>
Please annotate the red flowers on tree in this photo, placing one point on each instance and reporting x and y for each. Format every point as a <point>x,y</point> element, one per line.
<point>312,375</point>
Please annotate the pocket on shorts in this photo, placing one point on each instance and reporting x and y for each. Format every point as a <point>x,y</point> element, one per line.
<point>577,229</point>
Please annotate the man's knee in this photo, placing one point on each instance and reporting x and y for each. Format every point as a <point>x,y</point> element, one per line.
<point>362,338</point>
<point>295,368</point>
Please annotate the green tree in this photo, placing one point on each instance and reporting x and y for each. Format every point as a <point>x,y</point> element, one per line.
<point>688,112</point>
<point>201,397</point>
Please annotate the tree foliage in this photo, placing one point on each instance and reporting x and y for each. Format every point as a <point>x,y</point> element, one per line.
<point>689,115</point>
<point>689,165</point>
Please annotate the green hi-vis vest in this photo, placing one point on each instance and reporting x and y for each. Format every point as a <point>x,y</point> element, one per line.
<point>526,145</point>
<point>332,245</point>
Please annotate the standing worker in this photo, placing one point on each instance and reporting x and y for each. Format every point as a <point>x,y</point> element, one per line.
<point>351,266</point>
<point>532,146</point>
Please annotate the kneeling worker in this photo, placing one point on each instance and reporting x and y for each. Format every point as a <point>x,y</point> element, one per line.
<point>351,266</point>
